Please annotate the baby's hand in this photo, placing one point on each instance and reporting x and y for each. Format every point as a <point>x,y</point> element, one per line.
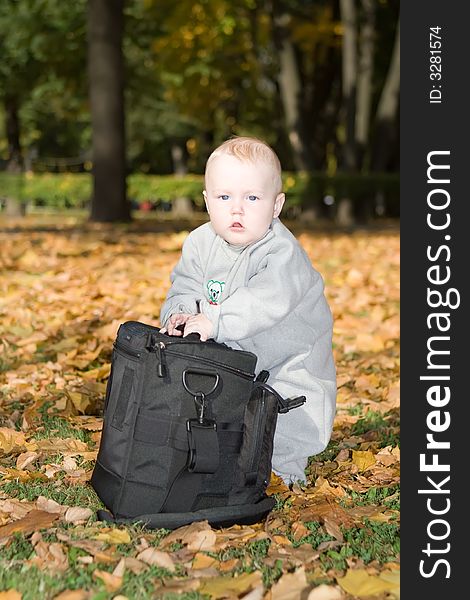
<point>175,321</point>
<point>199,324</point>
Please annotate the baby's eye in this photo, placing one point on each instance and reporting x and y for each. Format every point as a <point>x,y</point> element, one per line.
<point>223,197</point>
<point>252,198</point>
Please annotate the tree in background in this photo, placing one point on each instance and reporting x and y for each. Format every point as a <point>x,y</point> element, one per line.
<point>106,80</point>
<point>315,79</point>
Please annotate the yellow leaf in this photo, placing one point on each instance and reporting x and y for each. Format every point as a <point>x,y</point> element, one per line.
<point>220,587</point>
<point>203,561</point>
<point>358,582</point>
<point>114,536</point>
<point>98,373</point>
<point>10,595</point>
<point>11,440</point>
<point>363,459</point>
<point>80,401</point>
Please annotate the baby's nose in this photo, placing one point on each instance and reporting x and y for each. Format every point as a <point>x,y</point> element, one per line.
<point>237,207</point>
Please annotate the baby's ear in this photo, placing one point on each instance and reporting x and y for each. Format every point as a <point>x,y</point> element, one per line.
<point>278,204</point>
<point>204,193</point>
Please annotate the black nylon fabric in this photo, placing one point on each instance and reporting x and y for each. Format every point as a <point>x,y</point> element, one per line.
<point>187,432</point>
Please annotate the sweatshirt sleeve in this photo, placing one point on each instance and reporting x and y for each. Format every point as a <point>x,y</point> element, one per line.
<point>272,293</point>
<point>186,283</point>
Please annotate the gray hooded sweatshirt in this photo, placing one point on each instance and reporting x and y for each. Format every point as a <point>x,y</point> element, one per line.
<point>268,299</point>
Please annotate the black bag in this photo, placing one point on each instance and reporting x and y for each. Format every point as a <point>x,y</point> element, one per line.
<point>187,433</point>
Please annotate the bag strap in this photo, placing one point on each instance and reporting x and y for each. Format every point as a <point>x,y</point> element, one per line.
<point>284,405</point>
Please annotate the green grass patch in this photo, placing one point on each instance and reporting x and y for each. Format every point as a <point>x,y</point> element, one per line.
<point>17,548</point>
<point>53,426</point>
<point>374,541</point>
<point>389,496</point>
<point>65,494</point>
<point>384,426</point>
<point>315,537</point>
<point>328,454</point>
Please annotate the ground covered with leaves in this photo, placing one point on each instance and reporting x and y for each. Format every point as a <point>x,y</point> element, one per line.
<point>63,294</point>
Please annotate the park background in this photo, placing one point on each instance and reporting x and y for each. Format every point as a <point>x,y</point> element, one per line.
<point>108,112</point>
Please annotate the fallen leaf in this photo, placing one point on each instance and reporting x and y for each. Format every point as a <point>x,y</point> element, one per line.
<point>152,556</point>
<point>25,459</point>
<point>359,582</point>
<point>73,595</point>
<point>34,520</point>
<point>114,536</point>
<point>325,592</point>
<point>75,514</point>
<point>50,506</point>
<point>290,586</point>
<point>203,561</point>
<point>220,587</point>
<point>50,557</point>
<point>363,459</point>
<point>10,595</point>
<point>112,583</point>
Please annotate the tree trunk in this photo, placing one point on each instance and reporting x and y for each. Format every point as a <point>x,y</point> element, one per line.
<point>15,206</point>
<point>386,127</point>
<point>182,205</point>
<point>290,87</point>
<point>345,212</point>
<point>106,89</point>
<point>364,80</point>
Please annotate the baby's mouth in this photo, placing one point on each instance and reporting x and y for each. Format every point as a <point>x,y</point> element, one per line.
<point>237,225</point>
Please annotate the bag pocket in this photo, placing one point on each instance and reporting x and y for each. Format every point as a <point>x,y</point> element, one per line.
<point>256,452</point>
<point>153,448</point>
<point>120,405</point>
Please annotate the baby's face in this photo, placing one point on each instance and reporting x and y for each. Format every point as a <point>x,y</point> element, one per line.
<point>241,199</point>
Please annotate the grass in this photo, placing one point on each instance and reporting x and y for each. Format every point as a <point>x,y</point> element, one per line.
<point>383,427</point>
<point>34,583</point>
<point>63,493</point>
<point>54,426</point>
<point>373,542</point>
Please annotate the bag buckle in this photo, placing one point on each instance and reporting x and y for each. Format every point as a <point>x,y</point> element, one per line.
<point>288,404</point>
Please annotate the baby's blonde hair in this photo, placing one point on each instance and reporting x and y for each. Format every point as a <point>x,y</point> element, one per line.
<point>250,149</point>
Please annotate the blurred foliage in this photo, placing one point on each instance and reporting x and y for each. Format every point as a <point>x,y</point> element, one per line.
<point>196,73</point>
<point>303,191</point>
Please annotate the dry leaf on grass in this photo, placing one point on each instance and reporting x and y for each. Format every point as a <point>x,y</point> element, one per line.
<point>290,586</point>
<point>112,583</point>
<point>34,520</point>
<point>73,595</point>
<point>325,592</point>
<point>220,587</point>
<point>359,582</point>
<point>113,536</point>
<point>152,556</point>
<point>10,595</point>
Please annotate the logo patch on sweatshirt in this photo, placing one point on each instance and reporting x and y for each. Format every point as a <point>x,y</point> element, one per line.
<point>214,291</point>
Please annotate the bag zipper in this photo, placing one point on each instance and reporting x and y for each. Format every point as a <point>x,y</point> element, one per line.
<point>127,350</point>
<point>162,348</point>
<point>258,427</point>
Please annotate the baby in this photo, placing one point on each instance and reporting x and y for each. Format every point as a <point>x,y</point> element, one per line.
<point>243,279</point>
